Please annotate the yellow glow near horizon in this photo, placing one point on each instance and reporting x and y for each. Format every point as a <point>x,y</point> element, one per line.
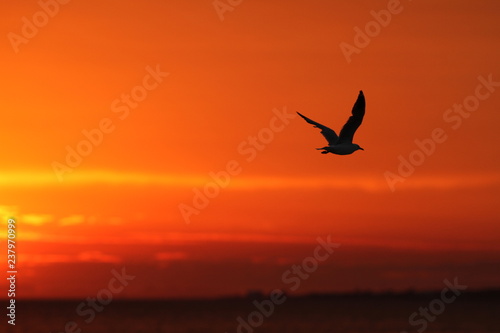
<point>240,182</point>
<point>248,183</point>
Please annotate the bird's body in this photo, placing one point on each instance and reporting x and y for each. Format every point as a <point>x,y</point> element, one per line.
<point>340,149</point>
<point>342,144</point>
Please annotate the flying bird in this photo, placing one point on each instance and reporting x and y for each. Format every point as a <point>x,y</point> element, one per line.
<point>342,144</point>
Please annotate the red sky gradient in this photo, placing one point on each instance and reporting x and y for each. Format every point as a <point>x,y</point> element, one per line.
<point>227,81</point>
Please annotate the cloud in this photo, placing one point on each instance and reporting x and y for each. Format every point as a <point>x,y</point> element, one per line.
<point>72,220</point>
<point>97,256</point>
<point>36,219</point>
<point>29,259</point>
<point>43,259</point>
<point>7,212</point>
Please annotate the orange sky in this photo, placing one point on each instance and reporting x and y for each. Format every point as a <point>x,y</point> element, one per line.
<point>218,84</point>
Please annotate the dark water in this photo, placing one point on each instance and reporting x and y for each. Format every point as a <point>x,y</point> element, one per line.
<point>305,315</point>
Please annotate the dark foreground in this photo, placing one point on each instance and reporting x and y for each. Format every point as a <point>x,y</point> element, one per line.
<point>475,313</point>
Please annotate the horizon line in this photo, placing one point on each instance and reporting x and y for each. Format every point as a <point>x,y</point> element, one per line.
<point>251,295</point>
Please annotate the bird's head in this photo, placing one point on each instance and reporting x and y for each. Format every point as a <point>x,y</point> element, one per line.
<point>359,148</point>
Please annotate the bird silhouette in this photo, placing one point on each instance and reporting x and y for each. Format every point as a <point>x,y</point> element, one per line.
<point>342,144</point>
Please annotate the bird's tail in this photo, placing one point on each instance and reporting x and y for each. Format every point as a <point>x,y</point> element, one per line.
<point>324,150</point>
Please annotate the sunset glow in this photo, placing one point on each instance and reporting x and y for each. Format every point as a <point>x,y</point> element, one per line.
<point>162,138</point>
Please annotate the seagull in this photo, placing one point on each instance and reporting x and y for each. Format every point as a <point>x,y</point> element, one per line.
<point>342,144</point>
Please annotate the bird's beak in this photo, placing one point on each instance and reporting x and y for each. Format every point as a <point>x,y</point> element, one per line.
<point>361,148</point>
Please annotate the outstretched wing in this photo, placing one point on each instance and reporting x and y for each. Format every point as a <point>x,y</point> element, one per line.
<point>327,132</point>
<point>352,124</point>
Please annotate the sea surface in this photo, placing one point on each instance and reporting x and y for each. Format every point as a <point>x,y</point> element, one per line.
<point>312,314</point>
